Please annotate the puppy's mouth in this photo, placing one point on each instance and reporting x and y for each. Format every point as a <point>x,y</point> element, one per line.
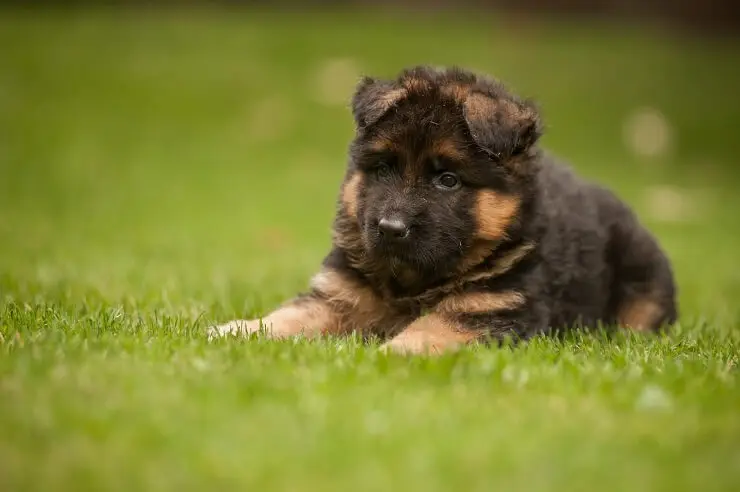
<point>398,251</point>
<point>407,256</point>
<point>404,251</point>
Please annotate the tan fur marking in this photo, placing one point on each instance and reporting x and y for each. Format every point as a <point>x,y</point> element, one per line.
<point>639,314</point>
<point>358,307</point>
<point>458,92</point>
<point>339,288</point>
<point>382,144</point>
<point>433,334</point>
<point>481,302</point>
<point>503,265</point>
<point>448,148</point>
<point>494,213</point>
<point>507,262</point>
<point>350,193</point>
<point>413,84</point>
<point>389,99</point>
<point>479,251</point>
<point>516,112</point>
<point>479,106</point>
<point>308,318</point>
<point>482,249</point>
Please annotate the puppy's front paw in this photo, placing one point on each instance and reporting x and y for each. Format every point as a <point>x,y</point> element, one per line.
<point>411,344</point>
<point>238,327</point>
<point>432,334</point>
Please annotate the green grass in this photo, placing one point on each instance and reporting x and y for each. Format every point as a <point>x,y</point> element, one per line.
<point>160,172</point>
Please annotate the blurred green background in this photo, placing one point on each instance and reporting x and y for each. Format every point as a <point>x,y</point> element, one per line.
<point>164,168</point>
<point>141,142</point>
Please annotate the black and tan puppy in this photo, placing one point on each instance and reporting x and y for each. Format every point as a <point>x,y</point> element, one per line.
<point>454,227</point>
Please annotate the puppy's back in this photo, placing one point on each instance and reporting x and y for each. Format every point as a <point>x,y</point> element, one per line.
<point>602,264</point>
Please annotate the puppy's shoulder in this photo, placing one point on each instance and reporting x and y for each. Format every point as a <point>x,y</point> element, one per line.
<point>564,193</point>
<point>557,179</point>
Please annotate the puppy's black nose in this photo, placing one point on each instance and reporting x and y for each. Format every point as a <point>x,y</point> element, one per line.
<point>393,228</point>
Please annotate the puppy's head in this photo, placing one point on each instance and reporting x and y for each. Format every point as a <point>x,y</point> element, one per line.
<point>441,161</point>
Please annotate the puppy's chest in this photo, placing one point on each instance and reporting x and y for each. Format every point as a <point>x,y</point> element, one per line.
<point>413,304</point>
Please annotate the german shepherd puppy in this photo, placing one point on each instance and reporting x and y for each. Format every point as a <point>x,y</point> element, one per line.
<point>453,226</point>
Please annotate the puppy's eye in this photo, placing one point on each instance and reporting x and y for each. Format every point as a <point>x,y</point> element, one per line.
<point>447,181</point>
<point>382,170</point>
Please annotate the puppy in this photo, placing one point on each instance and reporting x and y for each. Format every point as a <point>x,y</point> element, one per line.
<point>453,227</point>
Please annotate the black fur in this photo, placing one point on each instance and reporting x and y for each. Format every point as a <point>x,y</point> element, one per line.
<point>454,226</point>
<point>590,257</point>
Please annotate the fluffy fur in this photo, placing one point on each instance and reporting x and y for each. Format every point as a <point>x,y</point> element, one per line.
<point>453,226</point>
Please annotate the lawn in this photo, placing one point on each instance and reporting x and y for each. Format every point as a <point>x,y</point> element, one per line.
<point>163,171</point>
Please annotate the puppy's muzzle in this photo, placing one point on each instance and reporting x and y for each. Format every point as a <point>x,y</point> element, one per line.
<point>393,229</point>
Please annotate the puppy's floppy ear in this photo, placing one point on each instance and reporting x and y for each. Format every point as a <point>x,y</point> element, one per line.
<point>372,99</point>
<point>502,127</point>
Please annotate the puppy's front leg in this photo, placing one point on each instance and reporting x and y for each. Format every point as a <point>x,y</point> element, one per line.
<point>308,315</point>
<point>461,319</point>
<point>335,305</point>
